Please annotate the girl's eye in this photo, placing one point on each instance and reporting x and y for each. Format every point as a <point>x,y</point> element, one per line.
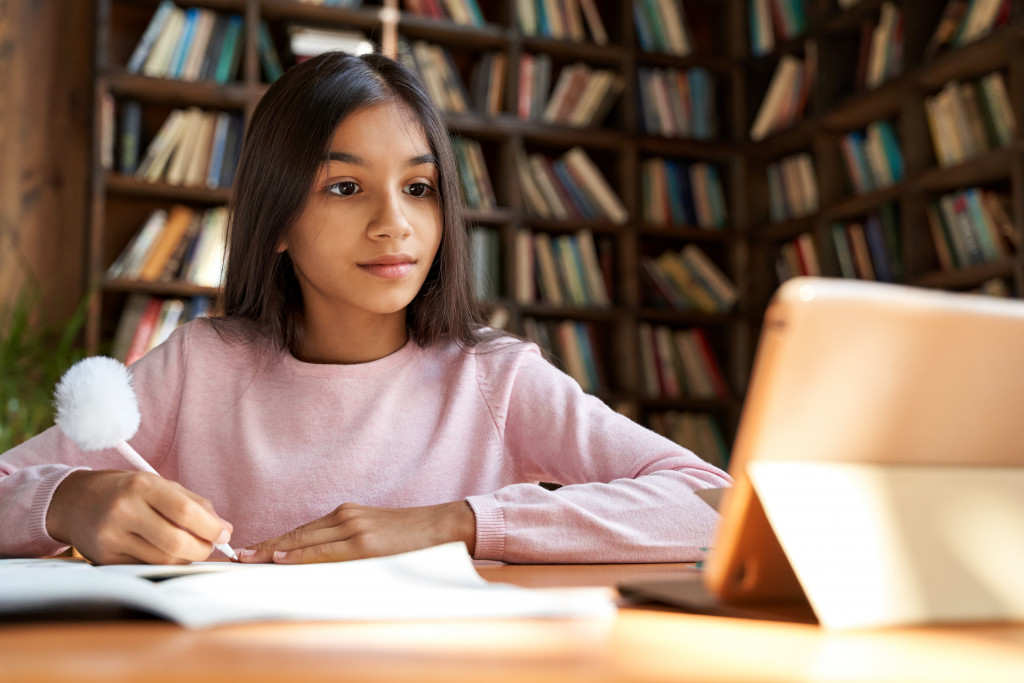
<point>420,190</point>
<point>345,188</point>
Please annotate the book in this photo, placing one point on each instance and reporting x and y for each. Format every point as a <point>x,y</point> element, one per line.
<point>584,169</point>
<point>159,57</point>
<point>594,22</point>
<point>785,81</point>
<point>439,582</point>
<point>167,320</point>
<point>723,289</point>
<point>231,50</point>
<point>153,31</point>
<point>200,41</point>
<point>596,288</point>
<point>129,137</point>
<point>687,283</point>
<point>143,331</point>
<point>129,262</point>
<point>549,284</point>
<point>861,252</point>
<point>206,268</point>
<point>161,147</point>
<point>131,313</point>
<point>523,265</point>
<point>188,147</point>
<point>174,229</point>
<point>269,59</point>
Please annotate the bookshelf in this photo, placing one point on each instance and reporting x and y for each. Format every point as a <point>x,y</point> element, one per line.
<point>902,212</point>
<point>640,143</point>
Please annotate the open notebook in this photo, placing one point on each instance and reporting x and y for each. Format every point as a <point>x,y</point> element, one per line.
<point>878,465</point>
<point>433,583</point>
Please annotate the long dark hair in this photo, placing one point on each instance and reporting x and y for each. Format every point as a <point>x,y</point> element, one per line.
<point>284,146</point>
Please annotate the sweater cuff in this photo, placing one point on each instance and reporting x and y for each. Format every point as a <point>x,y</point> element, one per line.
<point>490,527</point>
<point>41,506</point>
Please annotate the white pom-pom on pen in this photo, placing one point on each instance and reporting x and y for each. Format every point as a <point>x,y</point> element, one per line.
<point>96,405</point>
<point>97,409</point>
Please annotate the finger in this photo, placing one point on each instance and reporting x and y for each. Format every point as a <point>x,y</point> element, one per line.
<point>208,506</point>
<point>302,537</point>
<point>172,542</point>
<point>147,552</point>
<point>131,548</point>
<point>344,522</point>
<point>337,551</point>
<point>191,512</point>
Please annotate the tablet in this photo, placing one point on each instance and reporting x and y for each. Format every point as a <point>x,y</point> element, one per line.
<point>879,461</point>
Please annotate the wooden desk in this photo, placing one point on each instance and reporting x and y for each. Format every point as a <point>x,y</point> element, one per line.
<point>640,644</point>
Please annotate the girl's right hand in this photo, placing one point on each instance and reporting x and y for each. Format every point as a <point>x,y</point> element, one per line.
<point>123,517</point>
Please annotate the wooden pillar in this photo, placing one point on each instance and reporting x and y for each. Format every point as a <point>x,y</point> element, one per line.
<point>45,142</point>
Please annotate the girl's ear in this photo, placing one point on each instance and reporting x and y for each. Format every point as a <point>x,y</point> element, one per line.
<point>281,247</point>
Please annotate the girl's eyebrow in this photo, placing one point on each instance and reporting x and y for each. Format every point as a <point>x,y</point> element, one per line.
<point>347,158</point>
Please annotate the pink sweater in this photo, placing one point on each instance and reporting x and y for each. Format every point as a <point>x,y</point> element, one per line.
<point>274,443</point>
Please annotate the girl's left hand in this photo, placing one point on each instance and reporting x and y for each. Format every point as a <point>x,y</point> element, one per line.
<point>355,532</point>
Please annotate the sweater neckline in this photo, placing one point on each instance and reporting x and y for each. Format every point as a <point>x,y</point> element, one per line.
<point>354,370</point>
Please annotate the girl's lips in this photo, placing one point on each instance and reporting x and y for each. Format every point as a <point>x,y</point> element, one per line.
<point>388,271</point>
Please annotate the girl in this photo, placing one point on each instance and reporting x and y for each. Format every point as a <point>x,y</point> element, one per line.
<point>348,403</point>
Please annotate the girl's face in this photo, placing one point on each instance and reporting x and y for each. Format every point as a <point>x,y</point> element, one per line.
<point>366,238</point>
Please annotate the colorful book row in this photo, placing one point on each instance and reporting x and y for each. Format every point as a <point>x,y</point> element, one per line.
<point>476,181</point>
<point>970,118</point>
<point>570,187</point>
<point>772,21</point>
<point>192,147</point>
<point>872,157</point>
<point>441,78</point>
<point>466,12</point>
<point>965,21</point>
<point>679,363</point>
<point>563,270</point>
<point>683,194</point>
<point>438,72</point>
<point>573,20</point>
<point>191,44</point>
<point>678,102</point>
<point>179,245</point>
<point>582,96</point>
<point>573,344</point>
<point>699,432</point>
<point>146,322</point>
<point>688,280</point>
<point>792,187</point>
<point>870,249</point>
<point>971,227</point>
<point>797,257</point>
<point>661,26</point>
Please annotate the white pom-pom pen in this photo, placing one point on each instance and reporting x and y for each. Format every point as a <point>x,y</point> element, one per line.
<point>97,409</point>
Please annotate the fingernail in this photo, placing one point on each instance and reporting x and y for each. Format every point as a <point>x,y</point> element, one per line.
<point>280,556</point>
<point>224,537</point>
<point>246,552</point>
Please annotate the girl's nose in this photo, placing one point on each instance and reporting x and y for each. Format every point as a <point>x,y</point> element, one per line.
<point>389,220</point>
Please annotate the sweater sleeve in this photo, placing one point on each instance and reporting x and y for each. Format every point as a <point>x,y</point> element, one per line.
<point>627,494</point>
<point>32,471</point>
